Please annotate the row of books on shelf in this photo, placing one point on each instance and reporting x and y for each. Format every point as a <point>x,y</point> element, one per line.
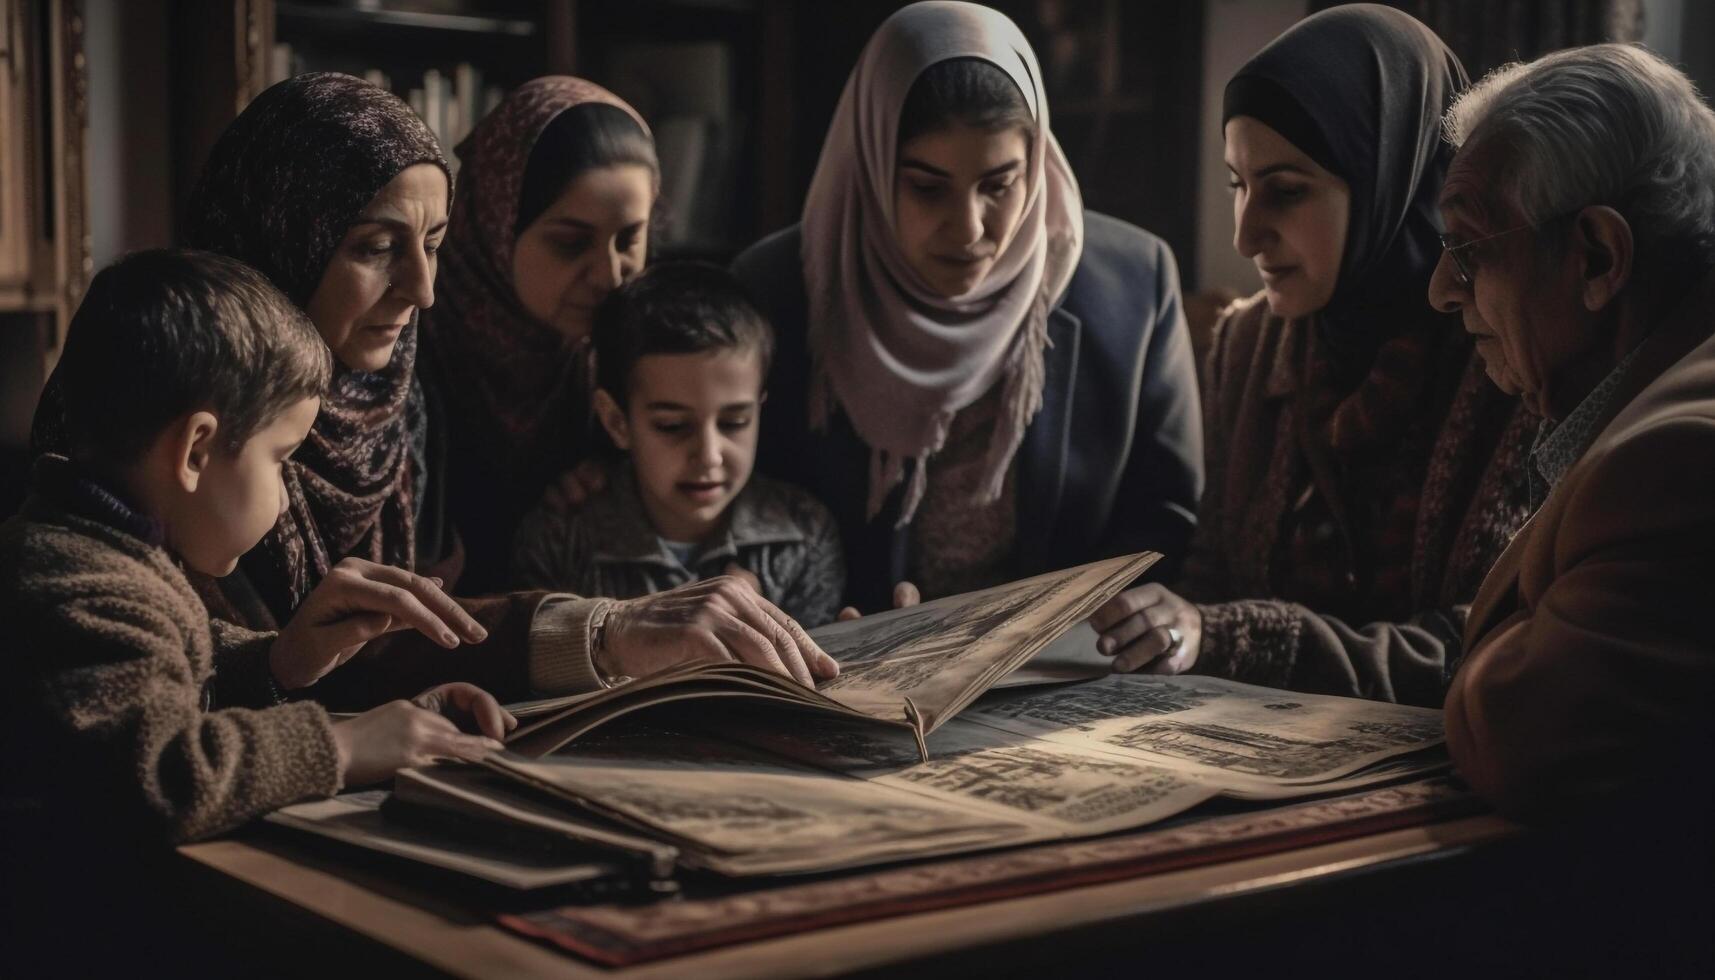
<point>450,103</point>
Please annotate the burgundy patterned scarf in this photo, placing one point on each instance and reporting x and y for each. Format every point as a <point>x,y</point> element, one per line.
<point>519,381</point>
<point>281,188</point>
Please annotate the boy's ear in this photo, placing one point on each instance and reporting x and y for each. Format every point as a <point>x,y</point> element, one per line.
<point>190,443</point>
<point>612,419</point>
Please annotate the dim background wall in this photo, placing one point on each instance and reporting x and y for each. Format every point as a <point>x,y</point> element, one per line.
<point>130,183</point>
<point>1233,31</point>
<point>1135,89</point>
<point>1182,196</point>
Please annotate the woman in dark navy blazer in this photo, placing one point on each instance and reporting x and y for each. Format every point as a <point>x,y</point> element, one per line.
<point>979,378</point>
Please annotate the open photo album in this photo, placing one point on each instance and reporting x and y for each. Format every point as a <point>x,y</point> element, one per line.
<point>977,721</point>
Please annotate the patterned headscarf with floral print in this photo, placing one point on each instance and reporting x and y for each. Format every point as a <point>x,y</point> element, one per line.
<point>282,186</point>
<point>519,380</point>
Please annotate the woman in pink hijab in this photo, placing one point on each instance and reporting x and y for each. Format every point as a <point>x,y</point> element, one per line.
<point>981,379</point>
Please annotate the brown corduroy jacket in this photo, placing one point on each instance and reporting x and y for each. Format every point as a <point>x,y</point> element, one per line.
<point>1592,642</point>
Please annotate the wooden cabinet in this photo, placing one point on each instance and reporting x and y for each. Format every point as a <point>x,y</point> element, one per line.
<point>15,231</point>
<point>44,238</point>
<point>219,63</point>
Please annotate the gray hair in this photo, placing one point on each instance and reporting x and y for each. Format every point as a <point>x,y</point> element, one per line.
<point>1605,124</point>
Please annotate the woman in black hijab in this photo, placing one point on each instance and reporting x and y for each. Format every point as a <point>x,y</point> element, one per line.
<point>1363,472</point>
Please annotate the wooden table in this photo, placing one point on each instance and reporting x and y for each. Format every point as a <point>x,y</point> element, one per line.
<point>306,903</point>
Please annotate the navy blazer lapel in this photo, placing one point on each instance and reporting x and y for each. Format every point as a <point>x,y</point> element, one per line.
<point>1042,455</point>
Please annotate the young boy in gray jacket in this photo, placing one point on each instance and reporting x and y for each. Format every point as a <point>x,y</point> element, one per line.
<point>681,357</point>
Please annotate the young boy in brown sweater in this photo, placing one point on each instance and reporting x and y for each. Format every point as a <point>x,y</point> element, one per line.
<point>189,380</point>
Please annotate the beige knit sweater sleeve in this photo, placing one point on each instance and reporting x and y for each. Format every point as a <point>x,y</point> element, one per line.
<point>123,653</point>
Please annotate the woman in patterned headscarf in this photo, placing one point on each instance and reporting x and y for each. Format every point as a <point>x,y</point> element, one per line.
<point>978,377</point>
<point>556,189</point>
<point>338,193</point>
<point>335,190</point>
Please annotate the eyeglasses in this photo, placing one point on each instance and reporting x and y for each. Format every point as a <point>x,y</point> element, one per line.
<point>1465,267</point>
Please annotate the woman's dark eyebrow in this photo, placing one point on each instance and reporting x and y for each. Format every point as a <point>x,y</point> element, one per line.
<point>397,225</point>
<point>1280,168</point>
<point>586,226</point>
<point>916,164</point>
<point>920,165</point>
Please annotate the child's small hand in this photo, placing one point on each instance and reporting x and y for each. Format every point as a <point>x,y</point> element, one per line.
<point>467,703</point>
<point>400,735</point>
<point>568,494</point>
<point>358,601</point>
<point>904,594</point>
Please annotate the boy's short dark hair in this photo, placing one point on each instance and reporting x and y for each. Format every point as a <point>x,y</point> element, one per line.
<point>675,308</point>
<point>166,332</point>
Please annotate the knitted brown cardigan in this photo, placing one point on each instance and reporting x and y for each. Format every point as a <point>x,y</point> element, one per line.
<point>112,668</point>
<point>1474,498</point>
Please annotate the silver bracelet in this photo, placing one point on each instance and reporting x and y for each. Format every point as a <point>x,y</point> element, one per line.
<point>598,643</point>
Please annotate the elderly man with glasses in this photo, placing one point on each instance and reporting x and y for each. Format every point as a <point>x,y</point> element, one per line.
<point>1580,215</point>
